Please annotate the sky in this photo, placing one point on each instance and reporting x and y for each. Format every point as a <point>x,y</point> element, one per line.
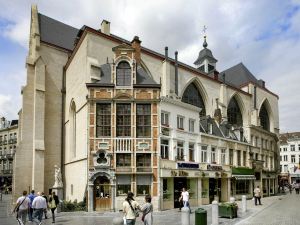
<point>264,35</point>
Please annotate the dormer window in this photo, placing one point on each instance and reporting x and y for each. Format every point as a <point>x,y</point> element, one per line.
<point>123,74</point>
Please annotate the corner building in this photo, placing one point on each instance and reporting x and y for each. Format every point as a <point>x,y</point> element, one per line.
<point>127,118</point>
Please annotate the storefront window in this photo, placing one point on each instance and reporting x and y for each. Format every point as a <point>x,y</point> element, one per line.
<point>123,184</point>
<point>167,194</point>
<point>242,187</point>
<point>143,184</point>
<point>192,188</point>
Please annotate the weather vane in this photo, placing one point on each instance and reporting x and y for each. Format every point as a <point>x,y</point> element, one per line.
<point>204,30</point>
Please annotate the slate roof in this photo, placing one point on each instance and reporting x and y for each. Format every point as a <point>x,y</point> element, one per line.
<point>205,54</point>
<point>284,138</point>
<point>238,75</point>
<point>142,77</point>
<point>57,33</point>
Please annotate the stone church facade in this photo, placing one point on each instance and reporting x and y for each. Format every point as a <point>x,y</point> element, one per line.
<point>116,116</point>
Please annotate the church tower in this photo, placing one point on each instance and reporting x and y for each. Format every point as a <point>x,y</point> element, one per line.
<point>205,62</point>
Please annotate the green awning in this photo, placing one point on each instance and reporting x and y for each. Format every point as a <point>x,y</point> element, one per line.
<point>242,171</point>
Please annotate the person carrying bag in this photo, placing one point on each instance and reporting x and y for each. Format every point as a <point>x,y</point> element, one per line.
<point>130,209</point>
<point>22,208</point>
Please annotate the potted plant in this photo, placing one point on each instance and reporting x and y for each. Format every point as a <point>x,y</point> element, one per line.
<point>228,209</point>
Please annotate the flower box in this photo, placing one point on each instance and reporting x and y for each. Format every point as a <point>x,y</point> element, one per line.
<point>228,210</point>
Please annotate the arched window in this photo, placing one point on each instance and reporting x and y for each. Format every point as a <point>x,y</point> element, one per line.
<point>264,118</point>
<point>192,96</point>
<point>234,114</point>
<point>72,130</point>
<point>123,74</point>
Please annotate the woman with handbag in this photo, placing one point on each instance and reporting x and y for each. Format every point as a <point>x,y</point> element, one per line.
<point>53,203</point>
<point>147,210</point>
<point>130,209</point>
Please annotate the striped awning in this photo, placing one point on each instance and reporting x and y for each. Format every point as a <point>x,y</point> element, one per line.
<point>244,177</point>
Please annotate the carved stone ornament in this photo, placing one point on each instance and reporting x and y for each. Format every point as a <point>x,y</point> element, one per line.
<point>102,159</point>
<point>57,177</point>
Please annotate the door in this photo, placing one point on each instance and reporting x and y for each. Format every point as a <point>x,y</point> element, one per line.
<point>179,183</point>
<point>214,189</point>
<point>102,194</point>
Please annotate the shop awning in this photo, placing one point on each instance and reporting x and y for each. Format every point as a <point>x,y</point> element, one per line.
<point>244,177</point>
<point>242,171</point>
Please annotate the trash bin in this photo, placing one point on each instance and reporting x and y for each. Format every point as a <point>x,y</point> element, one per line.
<point>200,217</point>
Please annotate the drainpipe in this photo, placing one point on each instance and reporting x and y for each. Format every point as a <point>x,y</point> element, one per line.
<point>176,73</point>
<point>63,92</point>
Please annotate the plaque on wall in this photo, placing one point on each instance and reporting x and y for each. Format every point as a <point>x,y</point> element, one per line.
<point>103,145</point>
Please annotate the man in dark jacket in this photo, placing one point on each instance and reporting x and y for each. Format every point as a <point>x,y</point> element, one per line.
<point>45,212</point>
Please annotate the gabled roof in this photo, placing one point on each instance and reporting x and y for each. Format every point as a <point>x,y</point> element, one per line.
<point>238,75</point>
<point>284,138</point>
<point>57,33</point>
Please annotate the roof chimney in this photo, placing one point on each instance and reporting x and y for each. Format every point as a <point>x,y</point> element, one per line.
<point>105,27</point>
<point>216,75</point>
<point>166,53</point>
<point>136,44</point>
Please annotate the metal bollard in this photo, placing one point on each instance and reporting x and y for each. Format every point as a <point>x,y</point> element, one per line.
<point>215,213</point>
<point>232,199</point>
<point>118,221</point>
<point>244,203</point>
<point>185,216</point>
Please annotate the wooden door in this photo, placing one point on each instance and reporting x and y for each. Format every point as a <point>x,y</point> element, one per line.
<point>102,194</point>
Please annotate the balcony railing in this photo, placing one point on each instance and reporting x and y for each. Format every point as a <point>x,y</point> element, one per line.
<point>124,169</point>
<point>123,144</point>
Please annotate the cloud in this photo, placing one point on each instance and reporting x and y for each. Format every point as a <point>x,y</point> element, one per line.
<point>264,35</point>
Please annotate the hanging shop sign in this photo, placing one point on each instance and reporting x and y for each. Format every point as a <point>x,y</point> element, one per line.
<point>214,167</point>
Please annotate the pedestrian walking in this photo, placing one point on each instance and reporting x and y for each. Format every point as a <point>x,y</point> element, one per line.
<point>22,208</point>
<point>147,210</point>
<point>130,209</point>
<point>185,198</point>
<point>39,205</point>
<point>297,188</point>
<point>45,211</point>
<point>291,189</point>
<point>53,203</point>
<point>257,195</point>
<point>31,197</point>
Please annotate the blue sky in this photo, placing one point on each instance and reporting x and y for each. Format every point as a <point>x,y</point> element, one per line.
<point>264,35</point>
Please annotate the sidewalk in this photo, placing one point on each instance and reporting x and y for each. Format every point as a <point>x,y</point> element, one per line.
<point>173,217</point>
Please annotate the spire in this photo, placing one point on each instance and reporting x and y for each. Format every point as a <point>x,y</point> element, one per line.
<point>204,42</point>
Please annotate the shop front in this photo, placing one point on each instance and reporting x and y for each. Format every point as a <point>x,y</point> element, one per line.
<point>242,182</point>
<point>269,183</point>
<point>214,183</point>
<point>174,177</point>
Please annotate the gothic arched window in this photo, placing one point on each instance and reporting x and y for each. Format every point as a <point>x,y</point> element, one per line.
<point>234,114</point>
<point>123,74</point>
<point>192,96</point>
<point>264,118</point>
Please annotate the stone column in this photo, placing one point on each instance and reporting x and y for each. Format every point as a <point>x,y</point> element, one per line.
<point>91,197</point>
<point>244,203</point>
<point>215,213</point>
<point>185,216</point>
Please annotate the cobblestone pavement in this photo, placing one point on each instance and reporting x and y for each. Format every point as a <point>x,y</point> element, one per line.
<point>275,210</point>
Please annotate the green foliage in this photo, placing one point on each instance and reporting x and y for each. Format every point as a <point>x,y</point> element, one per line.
<point>69,206</point>
<point>229,205</point>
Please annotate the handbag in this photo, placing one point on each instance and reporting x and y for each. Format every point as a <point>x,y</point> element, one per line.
<point>136,213</point>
